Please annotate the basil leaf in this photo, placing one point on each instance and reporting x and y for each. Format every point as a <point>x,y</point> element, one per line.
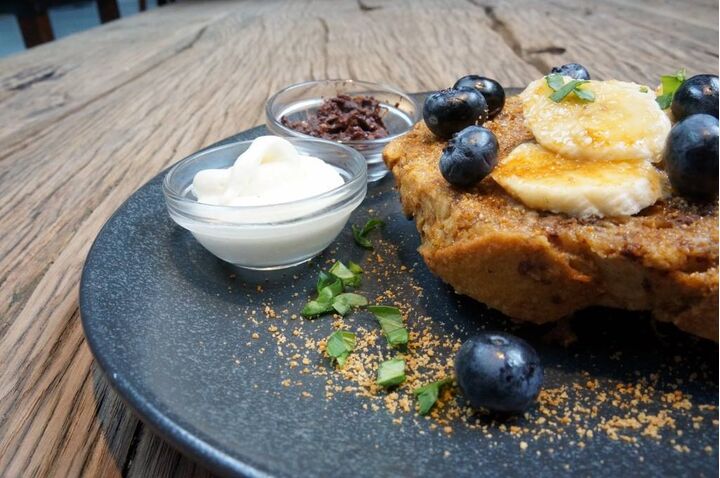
<point>343,303</point>
<point>324,301</point>
<point>324,280</point>
<point>585,95</point>
<point>372,224</point>
<point>315,308</point>
<point>360,235</point>
<point>361,240</point>
<point>354,300</point>
<point>428,394</point>
<point>327,293</point>
<point>348,277</point>
<point>391,372</point>
<point>391,322</point>
<point>555,81</point>
<point>339,345</point>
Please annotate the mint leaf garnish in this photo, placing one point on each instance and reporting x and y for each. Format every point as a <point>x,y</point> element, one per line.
<point>428,394</point>
<point>339,346</point>
<point>360,235</point>
<point>348,277</point>
<point>324,280</point>
<point>555,81</point>
<point>315,308</point>
<point>391,321</point>
<point>343,303</point>
<point>585,95</point>
<point>391,372</point>
<point>572,86</point>
<point>670,84</point>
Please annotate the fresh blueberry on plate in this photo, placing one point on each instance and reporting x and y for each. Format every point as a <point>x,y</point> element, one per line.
<point>691,157</point>
<point>698,94</point>
<point>573,70</point>
<point>448,111</point>
<point>469,156</point>
<point>499,372</point>
<point>493,92</point>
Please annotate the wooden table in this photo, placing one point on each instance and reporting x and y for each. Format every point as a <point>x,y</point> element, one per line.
<point>87,120</point>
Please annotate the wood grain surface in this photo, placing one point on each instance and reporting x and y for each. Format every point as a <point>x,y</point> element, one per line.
<point>86,120</point>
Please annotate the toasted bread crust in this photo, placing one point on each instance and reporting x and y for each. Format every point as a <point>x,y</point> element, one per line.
<point>541,267</point>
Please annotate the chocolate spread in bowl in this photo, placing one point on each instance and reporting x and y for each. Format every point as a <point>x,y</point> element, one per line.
<point>343,118</point>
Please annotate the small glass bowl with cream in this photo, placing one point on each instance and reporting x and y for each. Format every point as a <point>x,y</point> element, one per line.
<point>299,102</point>
<point>269,203</point>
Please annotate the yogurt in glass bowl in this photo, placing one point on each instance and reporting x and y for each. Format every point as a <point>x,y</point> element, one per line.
<point>269,203</point>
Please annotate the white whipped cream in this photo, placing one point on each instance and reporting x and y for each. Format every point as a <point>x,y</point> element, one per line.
<point>280,229</point>
<point>271,171</point>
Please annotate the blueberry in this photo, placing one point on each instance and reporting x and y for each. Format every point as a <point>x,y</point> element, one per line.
<point>499,372</point>
<point>691,157</point>
<point>573,70</point>
<point>448,111</point>
<point>492,91</point>
<point>469,156</point>
<point>698,94</point>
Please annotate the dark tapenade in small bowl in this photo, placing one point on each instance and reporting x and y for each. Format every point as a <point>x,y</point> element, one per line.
<point>365,116</point>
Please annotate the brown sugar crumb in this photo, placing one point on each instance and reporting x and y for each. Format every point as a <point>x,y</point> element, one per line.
<point>640,409</point>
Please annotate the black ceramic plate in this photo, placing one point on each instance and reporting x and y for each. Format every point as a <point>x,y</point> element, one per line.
<point>172,328</point>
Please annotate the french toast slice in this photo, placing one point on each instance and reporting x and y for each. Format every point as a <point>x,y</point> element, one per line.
<point>541,267</point>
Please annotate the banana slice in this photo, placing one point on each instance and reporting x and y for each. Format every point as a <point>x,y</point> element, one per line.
<point>623,123</point>
<point>541,179</point>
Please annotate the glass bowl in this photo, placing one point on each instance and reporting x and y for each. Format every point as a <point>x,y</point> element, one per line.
<point>273,236</point>
<point>298,101</point>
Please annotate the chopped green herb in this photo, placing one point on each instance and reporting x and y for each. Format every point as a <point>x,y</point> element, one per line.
<point>555,81</point>
<point>343,303</point>
<point>670,84</point>
<point>644,89</point>
<point>324,280</point>
<point>360,235</point>
<point>339,346</point>
<point>327,293</point>
<point>331,288</point>
<point>573,86</point>
<point>585,95</point>
<point>391,372</point>
<point>391,321</point>
<point>348,277</point>
<point>315,308</point>
<point>428,394</point>
<point>664,101</point>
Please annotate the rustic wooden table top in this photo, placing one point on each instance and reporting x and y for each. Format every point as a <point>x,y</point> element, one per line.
<point>86,120</point>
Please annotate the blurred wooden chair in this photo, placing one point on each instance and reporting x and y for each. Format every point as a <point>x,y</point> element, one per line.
<point>32,17</point>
